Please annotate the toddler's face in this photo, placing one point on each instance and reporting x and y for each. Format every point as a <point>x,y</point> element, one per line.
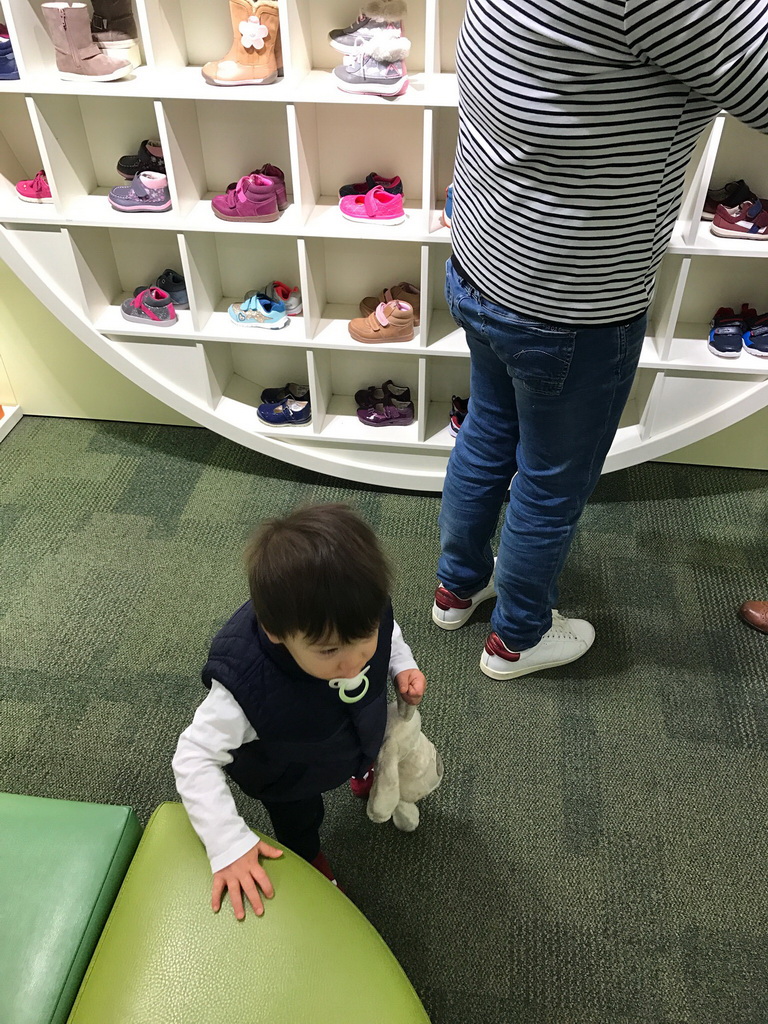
<point>331,660</point>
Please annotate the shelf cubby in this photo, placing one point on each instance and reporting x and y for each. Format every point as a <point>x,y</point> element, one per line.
<point>82,162</point>
<point>112,263</point>
<point>222,268</point>
<point>19,157</point>
<point>314,21</point>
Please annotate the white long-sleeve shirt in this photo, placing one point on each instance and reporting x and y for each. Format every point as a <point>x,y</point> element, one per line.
<point>204,748</point>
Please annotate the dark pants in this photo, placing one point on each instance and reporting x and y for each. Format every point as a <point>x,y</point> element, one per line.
<point>296,823</point>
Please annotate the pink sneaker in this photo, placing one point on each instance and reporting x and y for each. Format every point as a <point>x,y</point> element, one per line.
<point>35,190</point>
<point>376,205</point>
<point>254,198</point>
<point>362,786</point>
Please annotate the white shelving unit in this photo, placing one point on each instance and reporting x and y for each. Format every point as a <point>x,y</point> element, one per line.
<point>82,257</point>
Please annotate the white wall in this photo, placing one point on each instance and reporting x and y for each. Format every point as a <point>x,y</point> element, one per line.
<point>49,372</point>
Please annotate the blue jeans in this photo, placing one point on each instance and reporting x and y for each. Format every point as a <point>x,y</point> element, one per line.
<point>546,400</point>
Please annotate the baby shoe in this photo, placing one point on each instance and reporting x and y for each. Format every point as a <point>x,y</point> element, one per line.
<point>287,413</point>
<point>447,211</point>
<point>277,178</point>
<point>376,205</point>
<point>389,414</point>
<point>151,306</point>
<point>756,334</point>
<point>258,310</point>
<point>147,193</point>
<point>375,17</point>
<point>362,786</point>
<point>253,198</point>
<point>35,190</point>
<point>173,283</point>
<point>373,180</point>
<point>750,220</point>
<point>370,396</point>
<point>273,396</point>
<point>390,322</point>
<point>8,70</point>
<point>290,297</point>
<point>148,158</point>
<point>321,863</point>
<point>459,410</point>
<point>727,330</point>
<point>734,193</point>
<point>376,68</point>
<point>403,291</point>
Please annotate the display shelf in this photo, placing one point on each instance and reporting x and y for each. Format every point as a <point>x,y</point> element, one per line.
<point>82,257</point>
<point>11,416</point>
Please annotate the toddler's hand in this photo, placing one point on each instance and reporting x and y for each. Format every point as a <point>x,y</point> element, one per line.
<point>411,685</point>
<point>245,875</point>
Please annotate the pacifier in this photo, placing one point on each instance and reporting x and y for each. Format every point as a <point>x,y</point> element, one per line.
<point>347,686</point>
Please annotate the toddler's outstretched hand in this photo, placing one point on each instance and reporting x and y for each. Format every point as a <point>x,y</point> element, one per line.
<point>411,685</point>
<point>245,875</point>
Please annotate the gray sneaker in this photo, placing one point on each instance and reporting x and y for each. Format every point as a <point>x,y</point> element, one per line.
<point>376,69</point>
<point>173,283</point>
<point>376,16</point>
<point>152,307</point>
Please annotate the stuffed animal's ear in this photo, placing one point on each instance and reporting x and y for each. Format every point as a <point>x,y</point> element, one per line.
<point>385,792</point>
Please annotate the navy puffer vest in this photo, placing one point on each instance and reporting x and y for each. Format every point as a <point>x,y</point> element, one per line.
<point>309,740</point>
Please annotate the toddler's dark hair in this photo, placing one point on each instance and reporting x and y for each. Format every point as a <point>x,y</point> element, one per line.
<point>319,572</point>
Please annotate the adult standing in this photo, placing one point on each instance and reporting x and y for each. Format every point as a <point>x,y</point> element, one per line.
<point>577,119</point>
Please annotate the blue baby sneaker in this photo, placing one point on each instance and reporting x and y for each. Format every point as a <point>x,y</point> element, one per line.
<point>290,412</point>
<point>756,336</point>
<point>258,310</point>
<point>8,70</point>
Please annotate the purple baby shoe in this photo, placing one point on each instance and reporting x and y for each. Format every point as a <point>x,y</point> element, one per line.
<point>147,193</point>
<point>254,198</point>
<point>387,414</point>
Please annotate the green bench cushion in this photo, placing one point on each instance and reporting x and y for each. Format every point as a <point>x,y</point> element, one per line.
<point>61,865</point>
<point>165,958</point>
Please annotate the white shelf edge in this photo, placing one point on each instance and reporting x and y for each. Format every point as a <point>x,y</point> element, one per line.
<point>12,415</point>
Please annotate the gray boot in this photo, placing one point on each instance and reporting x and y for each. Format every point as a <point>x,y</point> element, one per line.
<point>113,28</point>
<point>77,56</point>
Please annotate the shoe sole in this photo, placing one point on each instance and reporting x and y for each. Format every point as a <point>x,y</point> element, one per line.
<point>140,209</point>
<point>397,89</point>
<point>269,80</point>
<point>724,355</point>
<point>469,612</point>
<point>29,199</point>
<point>374,220</point>
<point>147,322</point>
<point>70,76</point>
<point>284,423</point>
<point>755,352</point>
<point>729,233</point>
<point>378,341</point>
<point>526,671</point>
<point>262,219</point>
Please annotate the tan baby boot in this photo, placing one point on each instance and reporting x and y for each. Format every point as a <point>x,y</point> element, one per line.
<point>252,57</point>
<point>389,322</point>
<point>77,55</point>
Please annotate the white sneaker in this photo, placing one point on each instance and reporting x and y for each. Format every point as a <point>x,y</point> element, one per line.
<point>565,641</point>
<point>450,612</point>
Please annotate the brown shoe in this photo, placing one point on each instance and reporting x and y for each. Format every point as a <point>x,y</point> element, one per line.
<point>403,291</point>
<point>755,614</point>
<point>252,57</point>
<point>389,322</point>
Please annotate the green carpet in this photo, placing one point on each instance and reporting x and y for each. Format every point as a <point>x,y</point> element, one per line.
<point>597,852</point>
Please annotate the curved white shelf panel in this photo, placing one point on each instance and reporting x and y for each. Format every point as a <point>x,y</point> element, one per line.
<point>82,258</point>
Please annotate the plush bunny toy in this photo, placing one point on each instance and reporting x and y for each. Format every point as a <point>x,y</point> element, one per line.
<point>408,768</point>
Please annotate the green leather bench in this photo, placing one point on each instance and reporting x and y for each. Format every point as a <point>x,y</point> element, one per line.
<point>165,958</point>
<point>61,865</point>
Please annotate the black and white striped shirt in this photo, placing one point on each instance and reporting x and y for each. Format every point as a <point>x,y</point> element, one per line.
<point>577,119</point>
